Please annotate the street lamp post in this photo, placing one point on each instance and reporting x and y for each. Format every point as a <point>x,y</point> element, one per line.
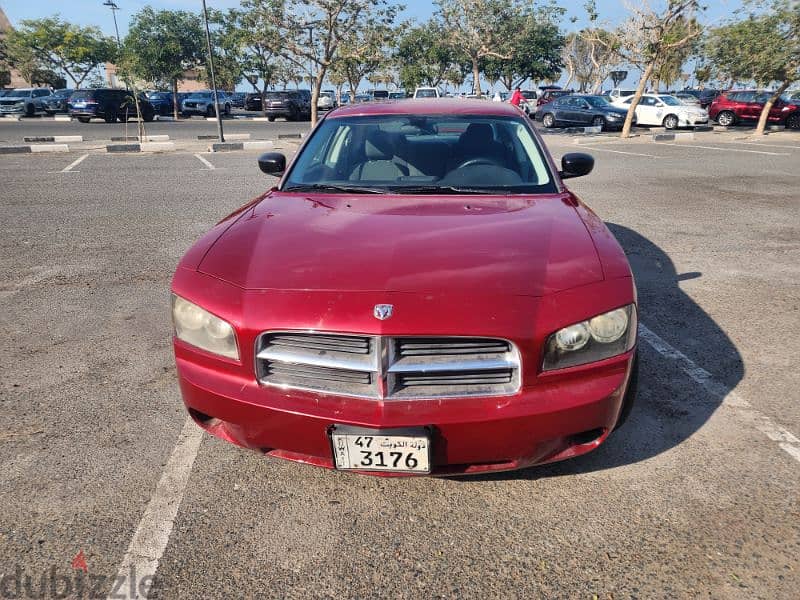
<point>114,8</point>
<point>211,71</point>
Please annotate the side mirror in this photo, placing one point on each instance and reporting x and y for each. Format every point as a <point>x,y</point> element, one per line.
<point>660,104</point>
<point>272,163</point>
<point>576,164</point>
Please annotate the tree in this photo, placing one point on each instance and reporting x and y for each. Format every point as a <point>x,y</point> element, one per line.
<point>648,37</point>
<point>478,29</point>
<point>534,49</point>
<point>589,58</point>
<point>424,57</point>
<point>161,46</point>
<point>363,52</point>
<point>765,48</point>
<point>55,45</point>
<point>312,31</point>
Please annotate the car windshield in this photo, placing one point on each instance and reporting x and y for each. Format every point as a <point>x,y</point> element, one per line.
<point>426,154</point>
<point>597,100</point>
<point>426,94</point>
<point>201,95</point>
<point>670,100</point>
<point>159,96</point>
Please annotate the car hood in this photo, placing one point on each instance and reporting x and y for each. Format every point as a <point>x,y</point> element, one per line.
<point>458,244</point>
<point>617,110</point>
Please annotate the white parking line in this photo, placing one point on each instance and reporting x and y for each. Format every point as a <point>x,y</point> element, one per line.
<point>619,151</point>
<point>786,440</point>
<point>690,145</point>
<point>152,534</point>
<point>209,166</point>
<point>765,145</point>
<point>68,169</point>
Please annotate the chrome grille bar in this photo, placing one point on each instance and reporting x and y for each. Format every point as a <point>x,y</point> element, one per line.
<point>385,367</point>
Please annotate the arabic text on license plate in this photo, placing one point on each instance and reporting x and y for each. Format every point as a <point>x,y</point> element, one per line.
<point>368,452</point>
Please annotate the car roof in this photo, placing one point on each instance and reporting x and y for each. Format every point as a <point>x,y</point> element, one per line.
<point>430,106</point>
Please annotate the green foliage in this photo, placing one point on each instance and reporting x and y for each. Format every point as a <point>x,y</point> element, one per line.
<point>51,44</point>
<point>162,45</point>
<point>534,48</point>
<point>425,58</point>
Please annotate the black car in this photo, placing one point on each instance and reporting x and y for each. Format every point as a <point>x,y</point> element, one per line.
<point>707,96</point>
<point>57,103</point>
<point>252,102</point>
<point>162,102</point>
<point>581,110</point>
<point>289,104</point>
<point>108,104</point>
<point>237,99</point>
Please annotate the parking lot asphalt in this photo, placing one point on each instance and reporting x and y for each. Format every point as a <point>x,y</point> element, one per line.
<point>697,495</point>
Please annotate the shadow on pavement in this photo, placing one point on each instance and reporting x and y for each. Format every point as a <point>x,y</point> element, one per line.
<point>670,407</point>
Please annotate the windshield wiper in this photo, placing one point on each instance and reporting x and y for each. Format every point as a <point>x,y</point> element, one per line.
<point>446,189</point>
<point>325,187</point>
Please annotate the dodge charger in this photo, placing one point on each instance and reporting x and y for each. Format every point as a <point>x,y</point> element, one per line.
<point>418,293</point>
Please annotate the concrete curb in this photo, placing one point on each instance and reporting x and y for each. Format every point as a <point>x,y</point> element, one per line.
<point>228,147</point>
<point>585,130</point>
<point>673,137</point>
<point>290,136</point>
<point>65,118</point>
<point>9,118</point>
<point>54,138</point>
<point>36,148</point>
<point>228,136</point>
<point>157,146</point>
<point>123,148</point>
<point>164,118</point>
<point>147,138</point>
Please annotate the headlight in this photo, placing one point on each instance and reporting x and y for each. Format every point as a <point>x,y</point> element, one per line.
<point>613,116</point>
<point>603,336</point>
<point>200,328</point>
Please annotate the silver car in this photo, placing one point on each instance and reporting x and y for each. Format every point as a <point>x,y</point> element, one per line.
<point>24,101</point>
<point>202,103</point>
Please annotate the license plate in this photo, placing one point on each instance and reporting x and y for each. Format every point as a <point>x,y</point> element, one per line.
<point>400,450</point>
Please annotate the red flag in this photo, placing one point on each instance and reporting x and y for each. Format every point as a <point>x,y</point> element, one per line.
<point>79,562</point>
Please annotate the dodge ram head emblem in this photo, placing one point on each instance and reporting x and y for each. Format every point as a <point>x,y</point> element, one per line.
<point>382,311</point>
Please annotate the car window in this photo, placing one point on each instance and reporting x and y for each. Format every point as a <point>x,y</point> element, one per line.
<point>745,96</point>
<point>41,93</point>
<point>597,101</point>
<point>396,152</point>
<point>670,100</point>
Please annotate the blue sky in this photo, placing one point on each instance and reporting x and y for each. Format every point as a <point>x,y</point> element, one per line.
<point>92,12</point>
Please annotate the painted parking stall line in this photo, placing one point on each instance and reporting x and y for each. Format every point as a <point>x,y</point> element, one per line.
<point>75,163</point>
<point>620,151</point>
<point>785,439</point>
<point>206,162</point>
<point>728,149</point>
<point>152,535</point>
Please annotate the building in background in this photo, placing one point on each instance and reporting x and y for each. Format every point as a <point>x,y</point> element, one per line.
<point>191,80</point>
<point>8,78</point>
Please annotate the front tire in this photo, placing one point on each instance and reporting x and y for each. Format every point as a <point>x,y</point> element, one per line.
<point>793,121</point>
<point>599,122</point>
<point>270,119</point>
<point>726,118</point>
<point>210,112</point>
<point>670,122</point>
<point>30,110</point>
<point>548,120</point>
<point>83,119</point>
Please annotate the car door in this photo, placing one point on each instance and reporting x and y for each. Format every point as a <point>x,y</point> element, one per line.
<point>39,98</point>
<point>562,109</point>
<point>582,111</point>
<point>647,112</point>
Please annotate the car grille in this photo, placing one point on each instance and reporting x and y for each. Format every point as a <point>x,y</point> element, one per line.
<point>388,367</point>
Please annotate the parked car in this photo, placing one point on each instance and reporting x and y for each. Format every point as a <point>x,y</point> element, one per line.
<point>24,101</point>
<point>237,99</point>
<point>665,110</point>
<point>687,98</point>
<point>398,95</point>
<point>291,105</point>
<point>57,102</point>
<point>315,324</point>
<point>549,95</point>
<point>379,94</point>
<point>739,106</point>
<point>619,94</point>
<point>109,104</point>
<point>162,102</point>
<point>202,103</point>
<point>707,96</point>
<point>427,92</point>
<point>362,98</point>
<point>252,102</point>
<point>529,101</point>
<point>326,100</point>
<point>578,109</point>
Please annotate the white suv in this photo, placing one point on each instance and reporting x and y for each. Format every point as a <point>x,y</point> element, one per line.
<point>427,92</point>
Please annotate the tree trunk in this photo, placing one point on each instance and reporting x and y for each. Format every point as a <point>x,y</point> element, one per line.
<point>762,119</point>
<point>315,94</point>
<point>626,128</point>
<point>476,77</point>
<point>175,107</point>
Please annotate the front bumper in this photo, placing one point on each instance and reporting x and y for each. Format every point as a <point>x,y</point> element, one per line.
<point>565,415</point>
<point>198,109</point>
<point>14,109</point>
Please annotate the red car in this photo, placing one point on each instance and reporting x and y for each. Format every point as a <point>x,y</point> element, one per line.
<point>418,294</point>
<point>746,105</point>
